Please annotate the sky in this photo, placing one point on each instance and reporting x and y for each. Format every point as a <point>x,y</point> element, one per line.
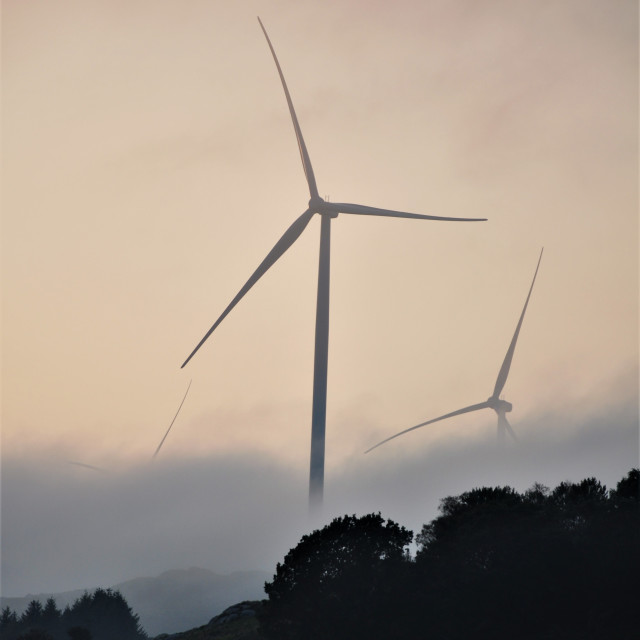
<point>149,164</point>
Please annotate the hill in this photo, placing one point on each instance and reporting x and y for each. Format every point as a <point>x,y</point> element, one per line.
<point>238,622</point>
<point>173,601</point>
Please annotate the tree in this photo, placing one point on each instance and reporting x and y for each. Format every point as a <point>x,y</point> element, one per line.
<point>337,582</point>
<point>35,634</point>
<point>7,617</point>
<point>51,617</point>
<point>629,487</point>
<point>32,616</point>
<point>102,615</point>
<point>553,564</point>
<point>106,615</point>
<point>9,624</point>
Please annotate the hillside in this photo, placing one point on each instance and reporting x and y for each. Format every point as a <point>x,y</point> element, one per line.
<point>237,622</point>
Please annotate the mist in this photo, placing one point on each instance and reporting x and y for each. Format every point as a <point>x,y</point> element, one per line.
<point>67,526</point>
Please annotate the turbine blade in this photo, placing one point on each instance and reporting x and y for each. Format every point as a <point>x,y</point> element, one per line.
<point>473,407</point>
<point>506,365</point>
<point>287,239</point>
<point>174,419</point>
<point>359,209</point>
<point>504,423</point>
<point>304,155</point>
<point>86,466</point>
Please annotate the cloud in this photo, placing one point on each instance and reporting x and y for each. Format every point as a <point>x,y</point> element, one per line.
<point>65,526</point>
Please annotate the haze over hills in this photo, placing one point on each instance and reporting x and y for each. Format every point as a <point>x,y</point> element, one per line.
<point>173,601</point>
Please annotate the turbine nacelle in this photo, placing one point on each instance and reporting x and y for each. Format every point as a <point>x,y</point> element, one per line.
<point>501,406</point>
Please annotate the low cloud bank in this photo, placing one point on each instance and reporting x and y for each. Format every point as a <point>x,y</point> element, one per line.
<point>66,526</point>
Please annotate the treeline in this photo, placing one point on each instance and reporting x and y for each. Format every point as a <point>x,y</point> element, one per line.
<point>553,564</point>
<point>102,615</point>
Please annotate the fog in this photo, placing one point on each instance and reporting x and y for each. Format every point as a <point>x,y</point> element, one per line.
<point>65,526</point>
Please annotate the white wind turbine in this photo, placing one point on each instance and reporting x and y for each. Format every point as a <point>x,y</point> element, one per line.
<point>327,211</point>
<point>501,407</point>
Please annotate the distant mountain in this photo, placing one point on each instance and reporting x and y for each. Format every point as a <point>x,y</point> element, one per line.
<point>173,601</point>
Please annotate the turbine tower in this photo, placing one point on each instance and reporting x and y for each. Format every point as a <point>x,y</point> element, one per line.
<point>327,211</point>
<point>501,407</point>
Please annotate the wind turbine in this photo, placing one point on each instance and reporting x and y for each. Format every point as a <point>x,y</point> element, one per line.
<point>501,407</point>
<point>327,211</point>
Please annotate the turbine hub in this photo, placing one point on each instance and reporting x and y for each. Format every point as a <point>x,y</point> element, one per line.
<point>315,204</point>
<point>321,206</point>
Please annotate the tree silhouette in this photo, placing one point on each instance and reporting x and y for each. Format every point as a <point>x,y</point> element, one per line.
<point>35,634</point>
<point>560,563</point>
<point>102,615</point>
<point>628,489</point>
<point>330,584</point>
<point>52,617</point>
<point>32,616</point>
<point>9,624</point>
<point>106,614</point>
<point>552,564</point>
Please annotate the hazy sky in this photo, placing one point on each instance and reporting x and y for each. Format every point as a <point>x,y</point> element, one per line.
<point>149,164</point>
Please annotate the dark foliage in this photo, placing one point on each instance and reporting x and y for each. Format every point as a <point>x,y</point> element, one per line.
<point>35,634</point>
<point>544,564</point>
<point>32,615</point>
<point>629,488</point>
<point>553,564</point>
<point>330,585</point>
<point>8,618</point>
<point>102,615</point>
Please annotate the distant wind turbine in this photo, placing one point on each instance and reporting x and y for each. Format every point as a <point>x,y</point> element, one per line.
<point>327,211</point>
<point>174,419</point>
<point>501,407</point>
